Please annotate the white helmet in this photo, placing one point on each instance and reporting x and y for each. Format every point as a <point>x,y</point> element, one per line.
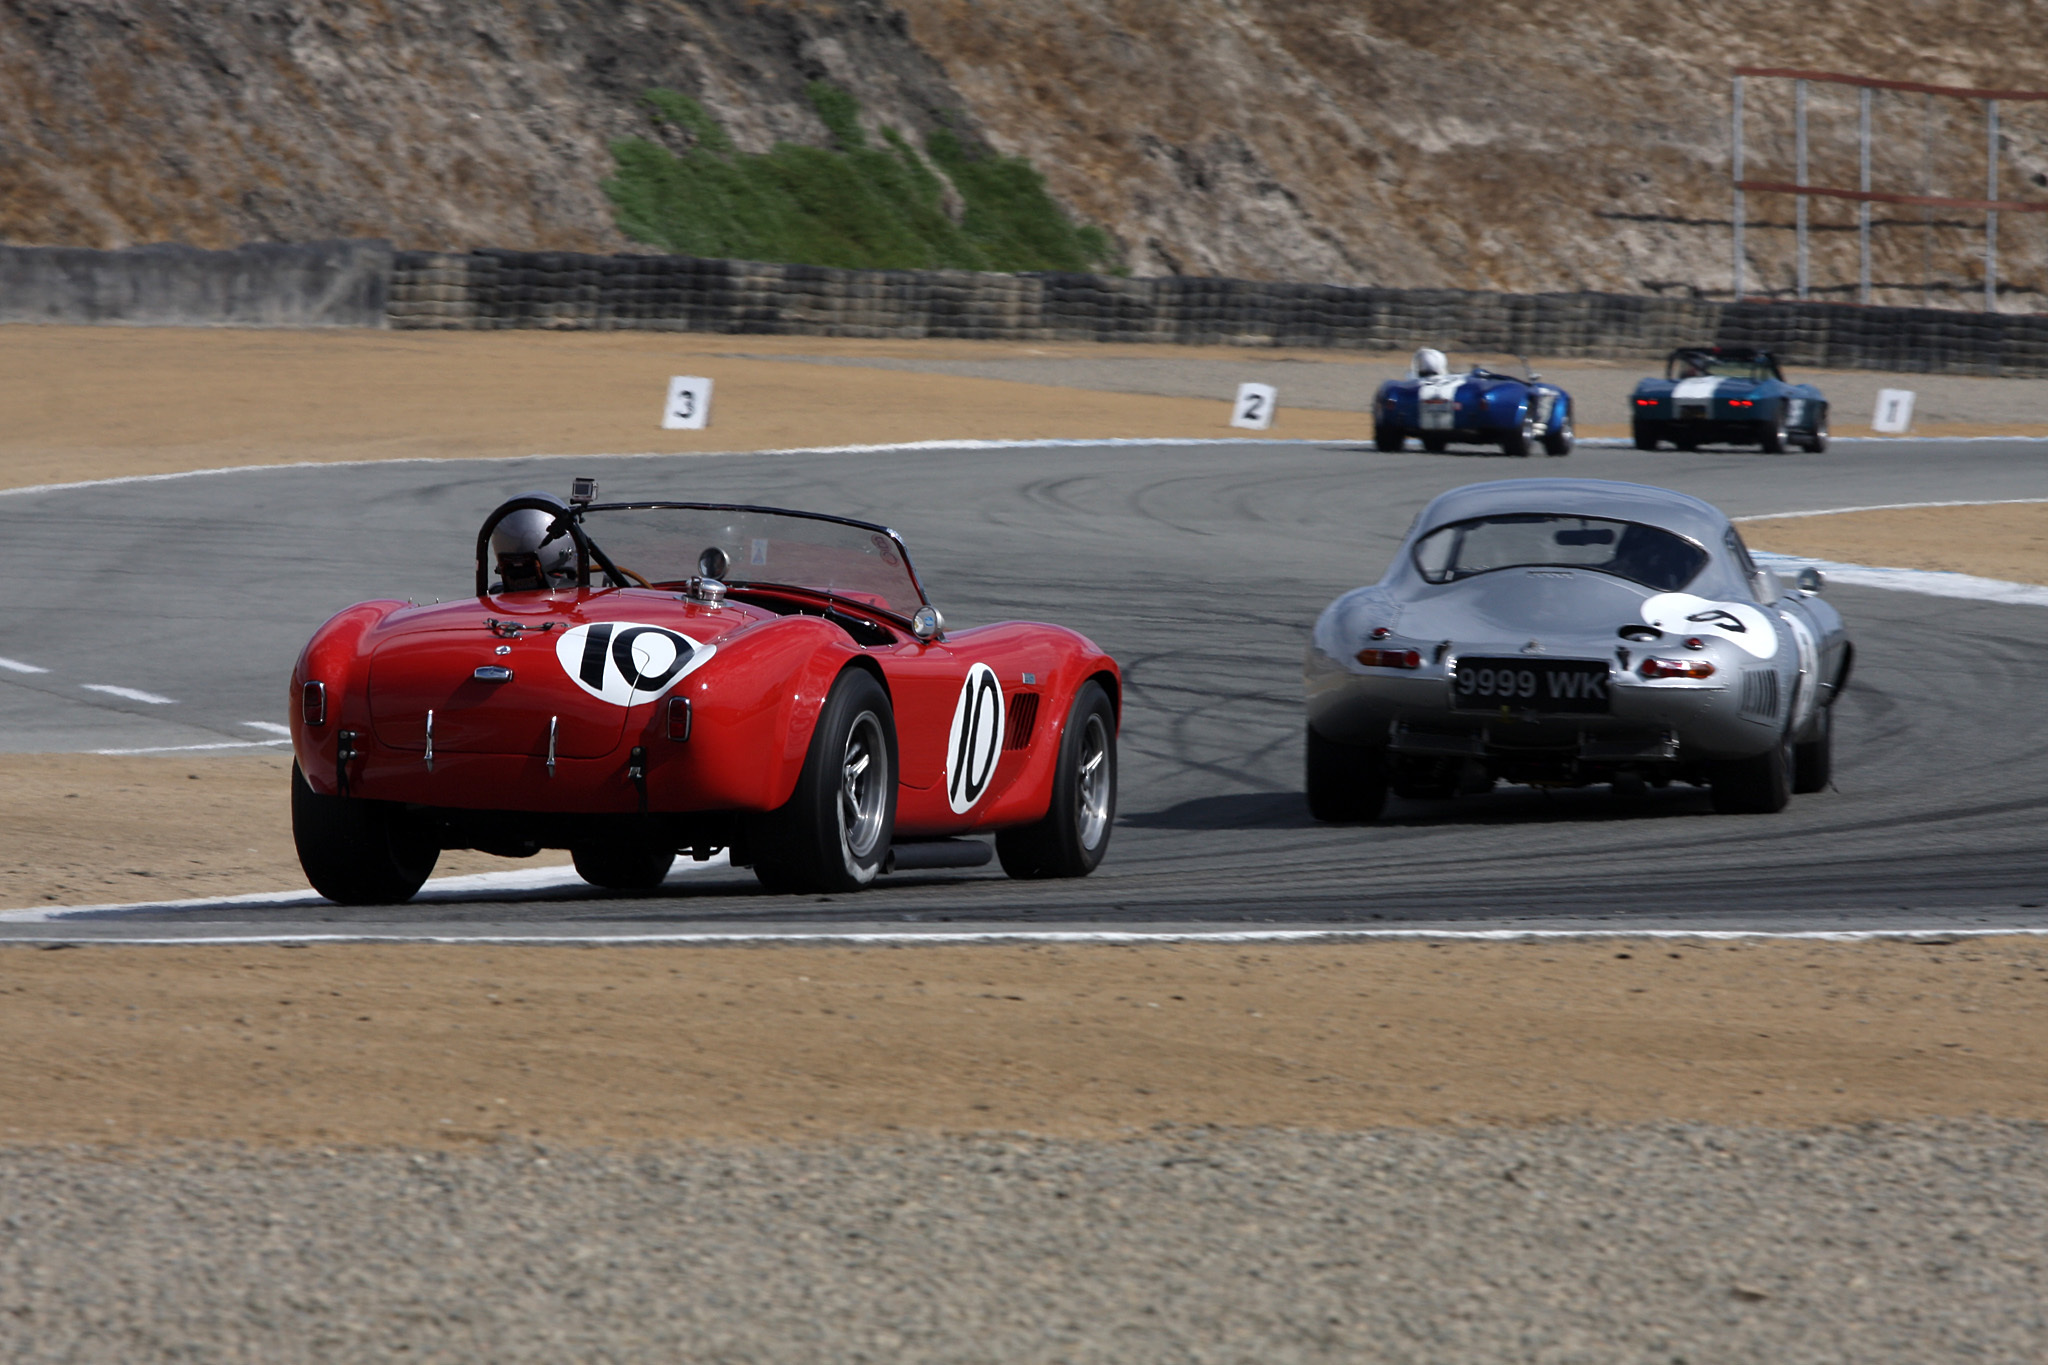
<point>1430,362</point>
<point>526,556</point>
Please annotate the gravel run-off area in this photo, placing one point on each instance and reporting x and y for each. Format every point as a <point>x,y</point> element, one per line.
<point>1906,1243</point>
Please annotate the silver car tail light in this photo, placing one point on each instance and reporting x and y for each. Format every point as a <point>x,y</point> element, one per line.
<point>1677,668</point>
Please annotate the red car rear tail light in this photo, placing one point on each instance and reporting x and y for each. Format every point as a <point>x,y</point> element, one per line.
<point>679,719</point>
<point>313,703</point>
<point>1389,658</point>
<point>1677,668</point>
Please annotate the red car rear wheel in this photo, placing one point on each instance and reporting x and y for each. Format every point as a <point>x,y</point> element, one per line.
<point>834,831</point>
<point>358,852</point>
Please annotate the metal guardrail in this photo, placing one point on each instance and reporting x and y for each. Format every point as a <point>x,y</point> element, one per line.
<point>1990,205</point>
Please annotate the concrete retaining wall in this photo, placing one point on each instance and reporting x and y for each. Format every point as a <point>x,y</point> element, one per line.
<point>315,284</point>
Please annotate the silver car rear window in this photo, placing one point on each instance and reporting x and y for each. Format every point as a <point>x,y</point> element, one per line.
<point>1642,554</point>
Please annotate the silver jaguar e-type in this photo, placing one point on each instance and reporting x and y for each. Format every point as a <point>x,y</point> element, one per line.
<point>1565,632</point>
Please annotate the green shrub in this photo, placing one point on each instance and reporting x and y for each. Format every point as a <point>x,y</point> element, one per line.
<point>854,205</point>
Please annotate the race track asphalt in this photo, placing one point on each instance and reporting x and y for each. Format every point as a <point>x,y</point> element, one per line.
<point>1200,567</point>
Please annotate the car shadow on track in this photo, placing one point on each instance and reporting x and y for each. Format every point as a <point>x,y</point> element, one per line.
<point>1246,810</point>
<point>1458,452</point>
<point>1289,810</point>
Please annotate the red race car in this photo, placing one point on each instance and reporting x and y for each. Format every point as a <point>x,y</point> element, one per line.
<point>633,680</point>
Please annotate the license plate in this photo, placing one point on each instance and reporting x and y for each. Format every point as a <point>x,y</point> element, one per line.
<point>1578,685</point>
<point>1692,412</point>
<point>1439,414</point>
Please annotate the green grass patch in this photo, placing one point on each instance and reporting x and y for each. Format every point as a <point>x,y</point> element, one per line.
<point>854,204</point>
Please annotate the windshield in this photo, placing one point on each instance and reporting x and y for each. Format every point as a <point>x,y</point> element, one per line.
<point>1706,365</point>
<point>665,544</point>
<point>1641,554</point>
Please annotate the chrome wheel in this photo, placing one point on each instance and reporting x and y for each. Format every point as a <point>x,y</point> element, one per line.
<point>1093,794</point>
<point>863,788</point>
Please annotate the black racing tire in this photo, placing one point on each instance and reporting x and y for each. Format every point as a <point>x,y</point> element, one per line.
<point>1388,439</point>
<point>1816,442</point>
<point>1686,443</point>
<point>1558,440</point>
<point>1347,783</point>
<point>1761,785</point>
<point>358,852</point>
<point>1521,442</point>
<point>1435,444</point>
<point>1772,437</point>
<point>1813,758</point>
<point>623,865</point>
<point>833,833</point>
<point>1645,436</point>
<point>1071,839</point>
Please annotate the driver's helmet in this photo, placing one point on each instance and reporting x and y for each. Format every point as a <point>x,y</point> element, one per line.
<point>527,558</point>
<point>1430,362</point>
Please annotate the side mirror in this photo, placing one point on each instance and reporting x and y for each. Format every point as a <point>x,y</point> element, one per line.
<point>1811,580</point>
<point>927,625</point>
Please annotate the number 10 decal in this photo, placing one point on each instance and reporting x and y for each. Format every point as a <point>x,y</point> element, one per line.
<point>976,741</point>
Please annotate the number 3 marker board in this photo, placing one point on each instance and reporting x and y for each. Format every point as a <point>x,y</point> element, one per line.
<point>1254,407</point>
<point>689,404</point>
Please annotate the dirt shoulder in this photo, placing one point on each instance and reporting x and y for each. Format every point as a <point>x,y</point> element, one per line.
<point>91,403</point>
<point>107,402</point>
<point>96,829</point>
<point>421,1045</point>
<point>1996,540</point>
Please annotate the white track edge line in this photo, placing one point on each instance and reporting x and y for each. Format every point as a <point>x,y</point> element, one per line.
<point>1049,443</point>
<point>1045,443</point>
<point>190,748</point>
<point>1890,507</point>
<point>551,877</point>
<point>1078,936</point>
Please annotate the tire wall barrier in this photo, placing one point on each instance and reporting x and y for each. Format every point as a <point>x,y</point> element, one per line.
<point>494,289</point>
<point>314,284</point>
<point>366,284</point>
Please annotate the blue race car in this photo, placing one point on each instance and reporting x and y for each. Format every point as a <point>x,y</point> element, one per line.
<point>1735,395</point>
<point>1476,408</point>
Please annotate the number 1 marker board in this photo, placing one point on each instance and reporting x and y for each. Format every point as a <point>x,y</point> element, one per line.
<point>1894,411</point>
<point>1254,406</point>
<point>689,404</point>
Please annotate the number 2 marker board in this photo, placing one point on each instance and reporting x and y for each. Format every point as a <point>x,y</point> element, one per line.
<point>689,404</point>
<point>1254,406</point>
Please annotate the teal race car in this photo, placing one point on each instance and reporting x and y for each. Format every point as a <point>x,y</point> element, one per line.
<point>1727,395</point>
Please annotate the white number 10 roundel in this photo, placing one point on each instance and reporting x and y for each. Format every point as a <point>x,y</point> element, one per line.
<point>977,739</point>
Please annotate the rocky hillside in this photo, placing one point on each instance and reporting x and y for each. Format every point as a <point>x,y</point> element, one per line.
<point>1540,144</point>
